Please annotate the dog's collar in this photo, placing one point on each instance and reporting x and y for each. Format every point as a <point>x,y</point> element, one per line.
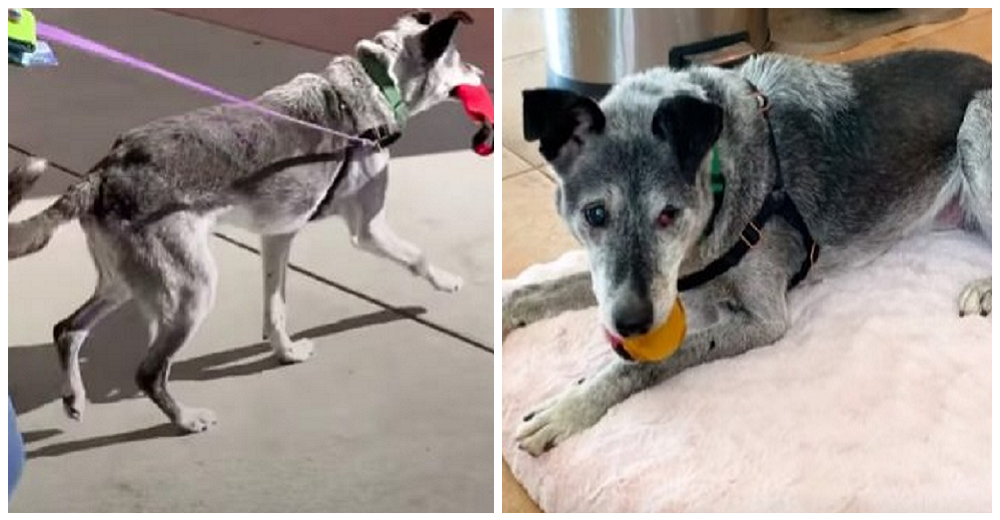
<point>379,75</point>
<point>776,202</point>
<point>718,183</point>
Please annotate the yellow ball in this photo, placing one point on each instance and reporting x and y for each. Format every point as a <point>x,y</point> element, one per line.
<point>658,344</point>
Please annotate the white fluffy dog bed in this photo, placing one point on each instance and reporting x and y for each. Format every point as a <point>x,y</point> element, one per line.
<point>877,399</point>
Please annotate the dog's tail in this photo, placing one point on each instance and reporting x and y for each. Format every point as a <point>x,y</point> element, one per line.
<point>22,178</point>
<point>28,236</point>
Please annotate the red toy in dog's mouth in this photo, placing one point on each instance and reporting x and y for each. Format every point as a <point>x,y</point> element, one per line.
<point>479,107</point>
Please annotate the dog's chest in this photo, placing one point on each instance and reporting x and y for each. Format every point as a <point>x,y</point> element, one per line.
<point>287,200</point>
<point>360,171</point>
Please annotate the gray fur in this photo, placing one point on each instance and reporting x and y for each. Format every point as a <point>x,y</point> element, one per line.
<point>870,151</point>
<point>149,206</point>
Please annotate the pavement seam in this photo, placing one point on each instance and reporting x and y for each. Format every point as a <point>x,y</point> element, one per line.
<point>311,275</point>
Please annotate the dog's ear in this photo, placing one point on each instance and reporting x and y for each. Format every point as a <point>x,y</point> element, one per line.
<point>691,125</point>
<point>435,40</point>
<point>555,117</point>
<point>422,17</point>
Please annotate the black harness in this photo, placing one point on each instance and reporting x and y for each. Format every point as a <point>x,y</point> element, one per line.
<point>382,136</point>
<point>777,202</point>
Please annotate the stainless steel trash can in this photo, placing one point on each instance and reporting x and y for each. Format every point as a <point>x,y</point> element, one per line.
<point>587,50</point>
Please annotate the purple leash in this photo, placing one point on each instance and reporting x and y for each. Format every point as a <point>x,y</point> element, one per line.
<point>69,39</point>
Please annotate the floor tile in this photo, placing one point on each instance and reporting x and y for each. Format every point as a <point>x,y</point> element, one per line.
<point>532,231</point>
<point>515,498</point>
<point>520,73</point>
<point>512,164</point>
<point>522,31</point>
<point>875,47</point>
<point>973,36</point>
<point>922,30</point>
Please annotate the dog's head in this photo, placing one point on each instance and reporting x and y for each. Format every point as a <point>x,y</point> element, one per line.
<point>420,55</point>
<point>633,187</point>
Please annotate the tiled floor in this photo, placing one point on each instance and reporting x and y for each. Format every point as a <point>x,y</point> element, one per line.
<point>532,232</point>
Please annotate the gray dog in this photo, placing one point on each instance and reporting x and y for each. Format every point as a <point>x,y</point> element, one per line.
<point>148,207</point>
<point>670,180</point>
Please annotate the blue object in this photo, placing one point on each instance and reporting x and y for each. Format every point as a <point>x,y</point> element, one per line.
<point>41,56</point>
<point>15,449</point>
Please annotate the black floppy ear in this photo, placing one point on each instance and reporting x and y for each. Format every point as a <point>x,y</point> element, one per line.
<point>435,40</point>
<point>691,125</point>
<point>556,116</point>
<point>422,17</point>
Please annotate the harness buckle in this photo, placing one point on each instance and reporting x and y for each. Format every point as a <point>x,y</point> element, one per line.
<point>751,243</point>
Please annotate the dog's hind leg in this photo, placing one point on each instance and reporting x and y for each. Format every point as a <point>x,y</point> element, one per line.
<point>172,275</point>
<point>975,148</point>
<point>71,333</point>
<point>274,256</point>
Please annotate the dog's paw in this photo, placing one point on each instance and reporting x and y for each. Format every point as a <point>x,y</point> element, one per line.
<point>195,420</point>
<point>73,405</point>
<point>976,298</point>
<point>296,352</point>
<point>445,281</point>
<point>556,420</point>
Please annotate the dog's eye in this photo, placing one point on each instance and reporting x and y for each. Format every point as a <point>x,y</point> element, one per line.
<point>667,217</point>
<point>596,215</point>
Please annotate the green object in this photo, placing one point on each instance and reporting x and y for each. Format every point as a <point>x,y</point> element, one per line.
<point>377,71</point>
<point>718,181</point>
<point>718,187</point>
<point>21,28</point>
<point>23,46</point>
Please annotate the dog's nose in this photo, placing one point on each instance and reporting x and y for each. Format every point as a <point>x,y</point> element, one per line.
<point>633,317</point>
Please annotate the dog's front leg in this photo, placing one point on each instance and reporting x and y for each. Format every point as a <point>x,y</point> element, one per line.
<point>375,236</point>
<point>536,302</point>
<point>737,330</point>
<point>274,256</point>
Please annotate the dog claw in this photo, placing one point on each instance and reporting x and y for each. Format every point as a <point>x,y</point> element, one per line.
<point>71,409</point>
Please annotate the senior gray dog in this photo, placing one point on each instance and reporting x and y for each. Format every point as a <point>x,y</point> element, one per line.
<point>149,206</point>
<point>729,187</point>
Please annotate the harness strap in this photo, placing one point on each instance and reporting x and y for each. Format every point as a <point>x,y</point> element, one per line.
<point>749,238</point>
<point>337,179</point>
<point>776,202</point>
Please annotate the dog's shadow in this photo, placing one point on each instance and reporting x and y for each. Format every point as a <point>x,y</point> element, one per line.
<point>113,351</point>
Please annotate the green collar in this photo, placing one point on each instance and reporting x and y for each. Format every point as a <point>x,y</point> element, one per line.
<point>379,74</point>
<point>718,190</point>
<point>718,181</point>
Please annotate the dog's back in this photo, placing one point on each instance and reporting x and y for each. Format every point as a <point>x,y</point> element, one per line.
<point>874,141</point>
